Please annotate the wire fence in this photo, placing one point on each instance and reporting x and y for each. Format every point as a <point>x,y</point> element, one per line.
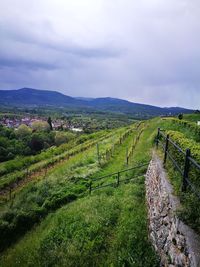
<point>116,178</point>
<point>187,167</point>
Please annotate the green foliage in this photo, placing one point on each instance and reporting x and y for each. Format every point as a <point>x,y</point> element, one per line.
<point>189,199</point>
<point>9,145</point>
<point>40,126</point>
<point>193,117</point>
<point>63,137</point>
<point>192,127</point>
<point>23,131</point>
<point>22,142</point>
<point>180,116</point>
<point>16,170</point>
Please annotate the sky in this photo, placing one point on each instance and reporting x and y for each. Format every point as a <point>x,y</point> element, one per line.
<point>145,51</point>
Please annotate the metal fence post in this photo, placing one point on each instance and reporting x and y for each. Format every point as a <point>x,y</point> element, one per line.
<point>186,169</point>
<point>157,138</point>
<point>166,149</point>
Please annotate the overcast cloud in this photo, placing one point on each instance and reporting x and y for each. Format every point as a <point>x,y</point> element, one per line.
<point>146,51</point>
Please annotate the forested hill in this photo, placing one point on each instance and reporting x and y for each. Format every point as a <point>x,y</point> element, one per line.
<point>37,98</point>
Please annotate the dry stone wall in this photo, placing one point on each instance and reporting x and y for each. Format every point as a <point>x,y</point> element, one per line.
<point>176,244</point>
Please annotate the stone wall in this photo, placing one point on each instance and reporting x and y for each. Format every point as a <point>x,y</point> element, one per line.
<point>168,236</point>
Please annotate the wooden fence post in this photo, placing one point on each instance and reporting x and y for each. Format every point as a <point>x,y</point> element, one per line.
<point>27,173</point>
<point>157,138</point>
<point>45,172</point>
<point>10,193</point>
<point>127,157</point>
<point>113,149</point>
<point>98,156</point>
<point>90,187</point>
<point>186,169</point>
<point>118,177</point>
<point>166,149</point>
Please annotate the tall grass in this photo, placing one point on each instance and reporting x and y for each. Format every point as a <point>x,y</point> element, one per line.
<point>62,185</point>
<point>107,229</point>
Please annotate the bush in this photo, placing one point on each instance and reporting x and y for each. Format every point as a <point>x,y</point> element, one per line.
<point>180,116</point>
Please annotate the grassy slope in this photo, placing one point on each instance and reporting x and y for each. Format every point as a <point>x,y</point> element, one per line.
<point>106,229</point>
<point>50,157</point>
<point>192,117</point>
<point>168,124</point>
<point>62,185</point>
<point>110,227</point>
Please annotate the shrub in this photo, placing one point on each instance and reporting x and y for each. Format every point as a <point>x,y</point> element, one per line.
<point>180,116</point>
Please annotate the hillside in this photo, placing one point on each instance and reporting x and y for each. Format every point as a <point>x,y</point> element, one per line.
<point>51,220</point>
<point>43,98</point>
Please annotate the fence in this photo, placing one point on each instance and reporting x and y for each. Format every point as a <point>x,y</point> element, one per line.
<point>110,151</point>
<point>117,176</point>
<point>188,161</point>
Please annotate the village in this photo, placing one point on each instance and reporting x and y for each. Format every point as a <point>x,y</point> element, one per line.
<point>57,124</point>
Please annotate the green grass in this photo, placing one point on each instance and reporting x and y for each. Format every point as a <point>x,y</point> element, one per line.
<point>192,117</point>
<point>16,170</point>
<point>106,229</point>
<point>190,130</point>
<point>122,242</point>
<point>62,184</point>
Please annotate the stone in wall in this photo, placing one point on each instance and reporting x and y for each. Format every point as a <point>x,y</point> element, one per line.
<point>165,229</point>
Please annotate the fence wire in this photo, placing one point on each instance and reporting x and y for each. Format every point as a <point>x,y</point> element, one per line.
<point>188,168</point>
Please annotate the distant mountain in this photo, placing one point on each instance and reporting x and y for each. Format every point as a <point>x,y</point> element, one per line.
<point>28,97</point>
<point>34,97</point>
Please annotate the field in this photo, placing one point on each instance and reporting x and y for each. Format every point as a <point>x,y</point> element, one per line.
<point>50,219</point>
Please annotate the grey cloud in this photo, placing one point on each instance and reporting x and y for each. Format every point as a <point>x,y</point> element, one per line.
<point>145,51</point>
<point>25,35</point>
<point>31,65</point>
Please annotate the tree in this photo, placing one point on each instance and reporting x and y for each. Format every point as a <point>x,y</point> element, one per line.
<point>180,116</point>
<point>37,142</point>
<point>23,131</point>
<point>40,126</point>
<point>50,123</point>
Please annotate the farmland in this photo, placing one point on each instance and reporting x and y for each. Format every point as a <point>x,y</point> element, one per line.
<point>50,219</point>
